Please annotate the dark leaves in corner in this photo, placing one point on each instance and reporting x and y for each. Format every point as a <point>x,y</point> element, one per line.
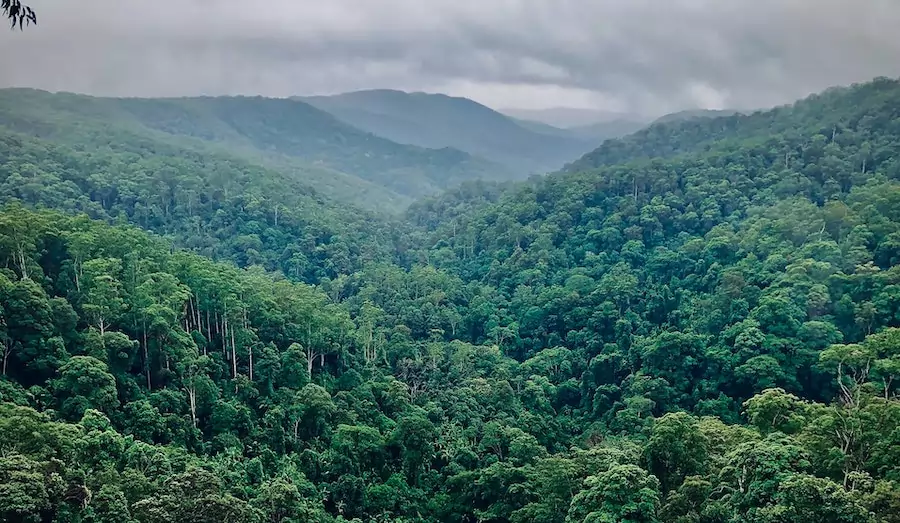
<point>18,13</point>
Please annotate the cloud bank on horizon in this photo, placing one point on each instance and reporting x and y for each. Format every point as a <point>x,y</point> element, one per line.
<point>636,56</point>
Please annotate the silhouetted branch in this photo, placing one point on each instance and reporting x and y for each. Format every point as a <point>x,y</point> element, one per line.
<point>18,14</point>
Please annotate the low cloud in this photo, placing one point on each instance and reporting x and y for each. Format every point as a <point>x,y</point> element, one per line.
<point>646,56</point>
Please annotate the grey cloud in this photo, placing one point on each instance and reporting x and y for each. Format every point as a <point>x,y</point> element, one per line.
<point>647,56</point>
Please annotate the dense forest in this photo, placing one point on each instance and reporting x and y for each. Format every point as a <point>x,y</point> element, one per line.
<point>697,323</point>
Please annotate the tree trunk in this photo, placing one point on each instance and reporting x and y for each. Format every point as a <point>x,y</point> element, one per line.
<point>7,350</point>
<point>367,349</point>
<point>189,314</point>
<point>208,332</point>
<point>192,399</point>
<point>22,265</point>
<point>146,357</point>
<point>197,317</point>
<point>225,332</point>
<point>310,360</point>
<point>233,355</point>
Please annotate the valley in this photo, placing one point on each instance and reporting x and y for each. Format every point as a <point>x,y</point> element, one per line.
<point>399,307</point>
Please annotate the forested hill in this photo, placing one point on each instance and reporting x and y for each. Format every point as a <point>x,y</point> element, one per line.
<point>602,131</point>
<point>694,114</point>
<point>708,336</point>
<point>221,206</point>
<point>275,132</point>
<point>437,120</point>
<point>868,108</point>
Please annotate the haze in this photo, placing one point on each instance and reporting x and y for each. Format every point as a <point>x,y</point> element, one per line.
<point>646,57</point>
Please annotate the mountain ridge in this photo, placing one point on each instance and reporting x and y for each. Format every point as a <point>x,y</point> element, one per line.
<point>569,117</point>
<point>430,120</point>
<point>276,129</point>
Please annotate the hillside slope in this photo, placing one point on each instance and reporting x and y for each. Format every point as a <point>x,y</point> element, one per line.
<point>692,114</point>
<point>832,114</point>
<point>222,206</point>
<point>773,192</point>
<point>282,133</point>
<point>436,120</point>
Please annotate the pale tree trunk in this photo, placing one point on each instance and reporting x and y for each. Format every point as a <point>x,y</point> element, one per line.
<point>7,350</point>
<point>219,333</point>
<point>192,399</point>
<point>233,355</point>
<point>197,318</point>
<point>246,325</point>
<point>192,314</point>
<point>310,352</point>
<point>146,356</point>
<point>225,332</point>
<point>310,360</point>
<point>78,274</point>
<point>368,352</point>
<point>208,333</point>
<point>21,261</point>
<point>225,329</point>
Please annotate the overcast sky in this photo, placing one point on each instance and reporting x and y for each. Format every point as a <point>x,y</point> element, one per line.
<point>646,56</point>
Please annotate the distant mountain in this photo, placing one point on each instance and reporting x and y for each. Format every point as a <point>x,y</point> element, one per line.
<point>593,134</point>
<point>335,157</point>
<point>543,128</point>
<point>437,120</point>
<point>691,114</point>
<point>601,131</point>
<point>566,117</point>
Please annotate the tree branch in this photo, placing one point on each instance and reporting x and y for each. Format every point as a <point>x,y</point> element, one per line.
<point>18,14</point>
